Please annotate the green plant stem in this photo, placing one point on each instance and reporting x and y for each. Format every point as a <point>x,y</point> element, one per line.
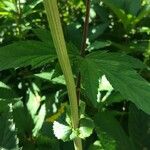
<point>59,42</point>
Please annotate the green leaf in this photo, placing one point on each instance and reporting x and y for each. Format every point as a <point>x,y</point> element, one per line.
<point>108,143</point>
<point>57,70</point>
<point>119,12</point>
<point>96,146</point>
<point>7,96</point>
<point>86,127</point>
<point>115,97</point>
<point>108,126</point>
<point>23,120</point>
<point>139,128</point>
<point>121,75</point>
<point>29,117</point>
<point>44,142</point>
<point>65,132</point>
<point>143,13</point>
<point>132,47</point>
<point>45,138</point>
<point>36,108</point>
<point>132,87</point>
<point>6,92</point>
<point>73,29</point>
<point>9,6</point>
<point>62,127</point>
<point>98,30</point>
<point>104,86</point>
<point>8,138</point>
<point>29,7</point>
<point>99,44</point>
<point>62,131</point>
<point>76,2</point>
<point>4,106</point>
<point>45,36</point>
<point>25,53</point>
<point>133,7</point>
<point>129,12</point>
<point>90,77</point>
<point>49,77</point>
<point>82,106</point>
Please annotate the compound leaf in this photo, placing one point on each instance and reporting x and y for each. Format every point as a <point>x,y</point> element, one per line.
<point>119,70</point>
<point>25,53</point>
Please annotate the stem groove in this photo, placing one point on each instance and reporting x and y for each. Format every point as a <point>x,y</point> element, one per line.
<point>59,42</point>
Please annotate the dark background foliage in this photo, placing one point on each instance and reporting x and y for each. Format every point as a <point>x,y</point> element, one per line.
<point>32,88</point>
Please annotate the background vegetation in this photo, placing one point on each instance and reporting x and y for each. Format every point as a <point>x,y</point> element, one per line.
<point>115,75</point>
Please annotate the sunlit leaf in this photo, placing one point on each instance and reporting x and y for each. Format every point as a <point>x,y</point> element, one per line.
<point>61,131</point>
<point>121,75</point>
<point>86,127</point>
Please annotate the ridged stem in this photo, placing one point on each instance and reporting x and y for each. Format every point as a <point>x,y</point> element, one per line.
<point>59,42</point>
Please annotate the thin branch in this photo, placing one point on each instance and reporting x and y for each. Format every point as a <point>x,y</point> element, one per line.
<point>85,29</point>
<point>83,45</point>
